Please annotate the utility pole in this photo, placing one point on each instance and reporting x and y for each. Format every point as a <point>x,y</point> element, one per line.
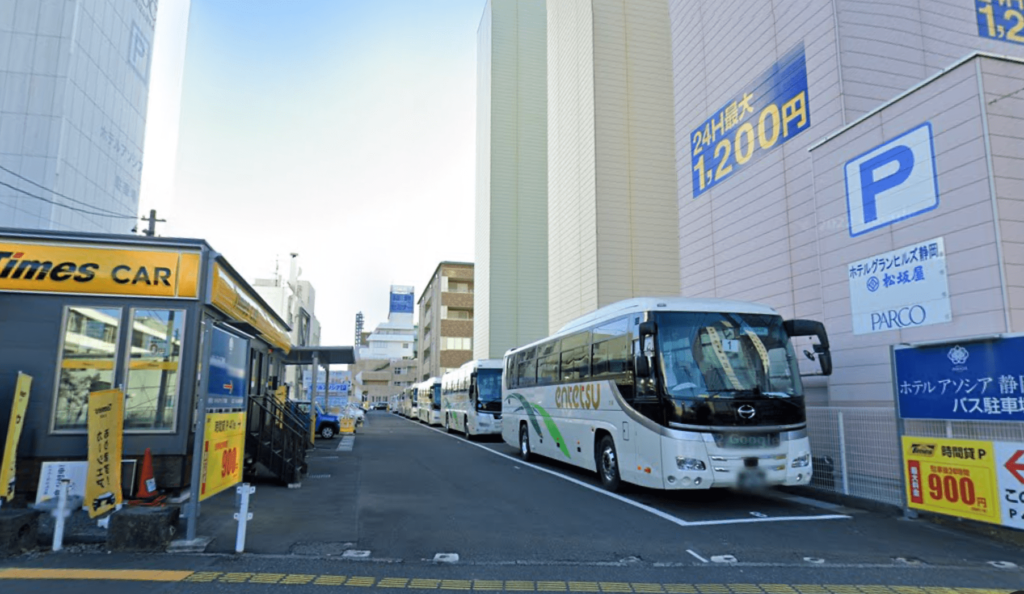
<point>152,223</point>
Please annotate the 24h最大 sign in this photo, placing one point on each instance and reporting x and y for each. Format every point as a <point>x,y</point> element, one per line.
<point>223,453</point>
<point>971,381</point>
<point>904,288</point>
<point>977,480</point>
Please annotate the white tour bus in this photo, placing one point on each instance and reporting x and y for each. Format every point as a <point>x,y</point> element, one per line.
<point>411,408</point>
<point>667,393</point>
<point>471,398</point>
<point>428,400</point>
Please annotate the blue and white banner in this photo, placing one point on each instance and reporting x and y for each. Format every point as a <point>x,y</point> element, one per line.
<point>974,381</point>
<point>401,303</point>
<point>900,289</point>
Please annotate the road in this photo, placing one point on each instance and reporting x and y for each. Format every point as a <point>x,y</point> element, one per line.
<point>404,493</point>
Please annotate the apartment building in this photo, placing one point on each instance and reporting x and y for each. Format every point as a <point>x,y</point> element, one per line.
<point>446,319</point>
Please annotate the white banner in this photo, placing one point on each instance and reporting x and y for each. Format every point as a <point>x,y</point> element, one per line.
<point>1010,470</point>
<point>900,289</point>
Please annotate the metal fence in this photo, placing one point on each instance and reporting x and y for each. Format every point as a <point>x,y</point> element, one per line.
<point>856,450</point>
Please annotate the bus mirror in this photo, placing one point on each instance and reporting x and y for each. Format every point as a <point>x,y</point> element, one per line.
<point>648,328</point>
<point>812,328</point>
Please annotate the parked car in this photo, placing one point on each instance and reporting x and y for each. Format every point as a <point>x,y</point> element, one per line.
<point>327,425</point>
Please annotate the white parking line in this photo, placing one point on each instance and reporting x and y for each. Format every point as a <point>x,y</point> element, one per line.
<point>636,504</point>
<point>702,559</point>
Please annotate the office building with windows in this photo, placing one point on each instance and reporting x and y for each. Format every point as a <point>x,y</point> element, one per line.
<point>75,79</point>
<point>386,358</point>
<point>612,205</point>
<point>446,319</point>
<point>511,298</point>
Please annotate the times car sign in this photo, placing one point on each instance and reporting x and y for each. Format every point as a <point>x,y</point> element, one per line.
<point>900,289</point>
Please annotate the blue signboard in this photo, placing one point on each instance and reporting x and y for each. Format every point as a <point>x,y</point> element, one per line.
<point>770,111</point>
<point>229,357</point>
<point>974,381</point>
<point>1001,19</point>
<point>401,303</point>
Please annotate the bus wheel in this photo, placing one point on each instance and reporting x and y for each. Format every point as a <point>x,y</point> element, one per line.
<point>524,443</point>
<point>465,427</point>
<point>608,464</point>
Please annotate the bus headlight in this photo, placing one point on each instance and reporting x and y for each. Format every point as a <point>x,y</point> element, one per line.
<point>801,461</point>
<point>690,464</point>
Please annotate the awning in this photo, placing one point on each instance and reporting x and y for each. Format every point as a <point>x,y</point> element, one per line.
<point>337,355</point>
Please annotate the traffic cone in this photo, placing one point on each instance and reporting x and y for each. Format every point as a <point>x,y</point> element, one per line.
<point>147,493</point>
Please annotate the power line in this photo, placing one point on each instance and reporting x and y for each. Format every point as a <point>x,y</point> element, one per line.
<point>55,203</point>
<point>56,193</point>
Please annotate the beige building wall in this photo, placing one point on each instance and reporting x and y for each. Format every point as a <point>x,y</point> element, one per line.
<point>446,319</point>
<point>511,298</point>
<point>612,185</point>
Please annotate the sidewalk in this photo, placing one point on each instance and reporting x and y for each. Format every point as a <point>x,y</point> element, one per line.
<point>319,518</point>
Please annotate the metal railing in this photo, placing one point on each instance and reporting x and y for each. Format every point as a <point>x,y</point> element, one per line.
<point>276,438</point>
<point>856,452</point>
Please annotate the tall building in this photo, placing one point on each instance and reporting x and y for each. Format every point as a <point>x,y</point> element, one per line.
<point>612,205</point>
<point>446,319</point>
<point>294,300</point>
<point>387,364</point>
<point>75,79</point>
<point>359,330</point>
<point>511,298</point>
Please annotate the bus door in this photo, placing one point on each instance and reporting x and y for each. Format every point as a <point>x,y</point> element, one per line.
<point>644,436</point>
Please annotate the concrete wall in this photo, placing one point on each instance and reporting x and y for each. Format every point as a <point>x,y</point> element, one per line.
<point>511,199</point>
<point>611,183</point>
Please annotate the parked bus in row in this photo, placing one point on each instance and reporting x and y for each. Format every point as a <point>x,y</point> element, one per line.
<point>428,399</point>
<point>411,407</point>
<point>471,398</point>
<point>667,393</point>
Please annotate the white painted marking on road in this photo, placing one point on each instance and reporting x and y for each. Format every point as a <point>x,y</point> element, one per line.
<point>636,504</point>
<point>1002,564</point>
<point>758,515</point>
<point>815,560</point>
<point>446,558</point>
<point>723,559</point>
<point>347,443</point>
<point>353,554</point>
<point>702,559</point>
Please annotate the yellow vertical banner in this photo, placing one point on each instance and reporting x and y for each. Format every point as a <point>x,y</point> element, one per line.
<point>18,408</point>
<point>956,477</point>
<point>106,425</point>
<point>223,451</point>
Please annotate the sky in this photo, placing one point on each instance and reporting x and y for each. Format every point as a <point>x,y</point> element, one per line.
<point>342,130</point>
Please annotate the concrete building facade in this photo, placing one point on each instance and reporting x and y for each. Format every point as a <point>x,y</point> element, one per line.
<point>386,358</point>
<point>295,301</point>
<point>511,297</point>
<point>777,227</point>
<point>446,319</point>
<point>612,203</point>
<point>75,79</point>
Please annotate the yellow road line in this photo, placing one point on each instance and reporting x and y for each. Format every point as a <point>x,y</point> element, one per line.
<point>583,587</point>
<point>136,575</point>
<point>393,583</point>
<point>235,578</point>
<point>330,580</point>
<point>615,587</point>
<point>297,578</point>
<point>647,588</point>
<point>425,584</point>
<point>266,578</point>
<point>551,587</point>
<point>488,584</point>
<point>519,586</point>
<point>680,589</point>
<point>455,584</point>
<point>361,581</point>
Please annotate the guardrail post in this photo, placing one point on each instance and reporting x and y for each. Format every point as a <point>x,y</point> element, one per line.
<point>59,514</point>
<point>842,454</point>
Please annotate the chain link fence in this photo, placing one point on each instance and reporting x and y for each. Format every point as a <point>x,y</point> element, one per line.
<point>856,451</point>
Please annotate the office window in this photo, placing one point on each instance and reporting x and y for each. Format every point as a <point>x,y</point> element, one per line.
<point>152,391</point>
<point>87,362</point>
<point>457,343</point>
<point>460,314</point>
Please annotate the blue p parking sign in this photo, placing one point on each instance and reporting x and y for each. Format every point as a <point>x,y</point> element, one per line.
<point>892,182</point>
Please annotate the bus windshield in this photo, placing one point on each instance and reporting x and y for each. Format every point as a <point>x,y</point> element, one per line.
<point>488,382</point>
<point>726,355</point>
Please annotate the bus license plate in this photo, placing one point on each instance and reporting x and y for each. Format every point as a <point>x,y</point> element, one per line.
<point>746,440</point>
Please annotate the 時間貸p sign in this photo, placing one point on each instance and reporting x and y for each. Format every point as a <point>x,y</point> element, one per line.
<point>892,182</point>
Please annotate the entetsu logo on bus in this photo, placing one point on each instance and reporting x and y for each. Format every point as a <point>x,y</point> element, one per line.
<point>892,182</point>
<point>588,397</point>
<point>894,319</point>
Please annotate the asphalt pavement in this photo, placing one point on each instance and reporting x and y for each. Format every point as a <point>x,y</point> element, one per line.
<point>378,512</point>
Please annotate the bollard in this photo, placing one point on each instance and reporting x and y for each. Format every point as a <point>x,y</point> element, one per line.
<point>243,514</point>
<point>59,513</point>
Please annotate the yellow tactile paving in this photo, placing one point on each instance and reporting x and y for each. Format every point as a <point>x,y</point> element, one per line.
<point>330,580</point>
<point>135,575</point>
<point>286,579</point>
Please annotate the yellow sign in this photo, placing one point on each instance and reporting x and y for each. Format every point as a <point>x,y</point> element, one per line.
<point>56,268</point>
<point>106,426</point>
<point>18,407</point>
<point>955,477</point>
<point>223,452</point>
<point>346,425</point>
<point>231,298</point>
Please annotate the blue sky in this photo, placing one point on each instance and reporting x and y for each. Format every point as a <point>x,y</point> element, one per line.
<point>341,130</point>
